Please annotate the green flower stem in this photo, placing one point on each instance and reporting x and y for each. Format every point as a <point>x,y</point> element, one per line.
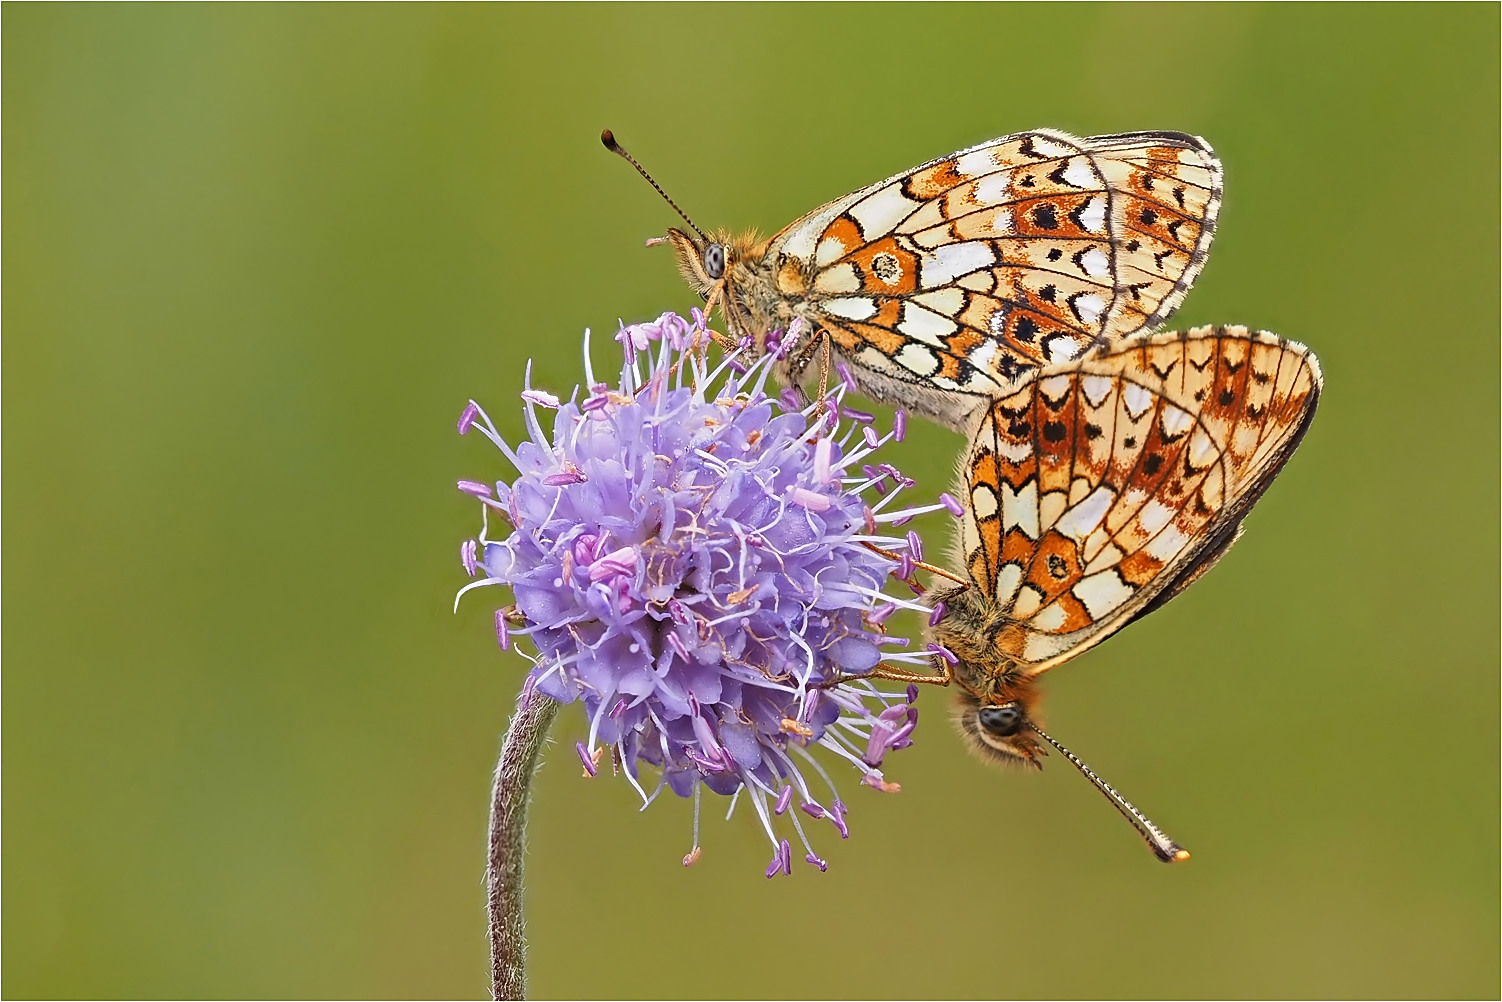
<point>520,752</point>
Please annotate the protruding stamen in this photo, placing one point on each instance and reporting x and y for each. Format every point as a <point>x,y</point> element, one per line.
<point>614,564</point>
<point>468,417</point>
<point>945,653</point>
<point>502,634</point>
<point>812,500</point>
<point>568,475</point>
<point>837,815</point>
<point>584,756</point>
<point>541,398</point>
<point>791,726</point>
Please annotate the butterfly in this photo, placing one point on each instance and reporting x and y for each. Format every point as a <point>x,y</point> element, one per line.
<point>941,286</point>
<point>1096,491</point>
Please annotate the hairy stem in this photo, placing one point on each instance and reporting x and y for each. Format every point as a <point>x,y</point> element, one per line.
<point>520,752</point>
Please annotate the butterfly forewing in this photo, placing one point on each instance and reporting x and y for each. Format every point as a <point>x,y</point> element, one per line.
<point>955,278</point>
<point>1098,484</point>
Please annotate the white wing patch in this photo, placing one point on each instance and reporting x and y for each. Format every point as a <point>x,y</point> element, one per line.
<point>919,359</point>
<point>1082,519</point>
<point>1093,216</point>
<point>1102,592</point>
<point>950,261</point>
<point>1019,509</point>
<point>920,324</point>
<point>878,214</point>
<point>851,307</point>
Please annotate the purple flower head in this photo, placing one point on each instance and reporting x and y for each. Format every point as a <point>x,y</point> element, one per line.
<point>689,559</point>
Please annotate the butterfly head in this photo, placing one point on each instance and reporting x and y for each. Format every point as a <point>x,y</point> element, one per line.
<point>701,260</point>
<point>722,269</point>
<point>997,728</point>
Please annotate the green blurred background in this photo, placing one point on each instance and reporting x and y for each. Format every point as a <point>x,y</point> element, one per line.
<point>258,258</point>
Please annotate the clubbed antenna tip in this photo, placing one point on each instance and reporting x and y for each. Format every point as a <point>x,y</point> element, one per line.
<point>608,138</point>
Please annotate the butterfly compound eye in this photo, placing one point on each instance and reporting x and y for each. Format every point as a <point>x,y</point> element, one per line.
<point>1002,721</point>
<point>714,261</point>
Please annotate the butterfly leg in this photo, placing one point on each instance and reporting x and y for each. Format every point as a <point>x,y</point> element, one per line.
<point>725,341</point>
<point>890,674</point>
<point>939,571</point>
<point>822,345</point>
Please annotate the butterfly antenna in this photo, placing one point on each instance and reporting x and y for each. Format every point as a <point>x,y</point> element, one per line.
<point>1162,846</point>
<point>608,138</point>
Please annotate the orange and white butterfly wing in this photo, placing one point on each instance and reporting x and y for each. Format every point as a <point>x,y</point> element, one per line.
<point>1101,488</point>
<point>963,273</point>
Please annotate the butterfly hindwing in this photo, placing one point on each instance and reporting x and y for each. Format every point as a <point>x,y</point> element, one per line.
<point>1101,488</point>
<point>958,276</point>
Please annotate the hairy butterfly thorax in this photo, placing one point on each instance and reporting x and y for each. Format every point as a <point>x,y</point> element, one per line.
<point>946,284</point>
<point>995,699</point>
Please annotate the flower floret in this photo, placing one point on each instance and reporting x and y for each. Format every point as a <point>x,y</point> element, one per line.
<point>700,567</point>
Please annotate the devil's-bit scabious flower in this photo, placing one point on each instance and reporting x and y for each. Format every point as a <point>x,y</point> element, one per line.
<point>689,557</point>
